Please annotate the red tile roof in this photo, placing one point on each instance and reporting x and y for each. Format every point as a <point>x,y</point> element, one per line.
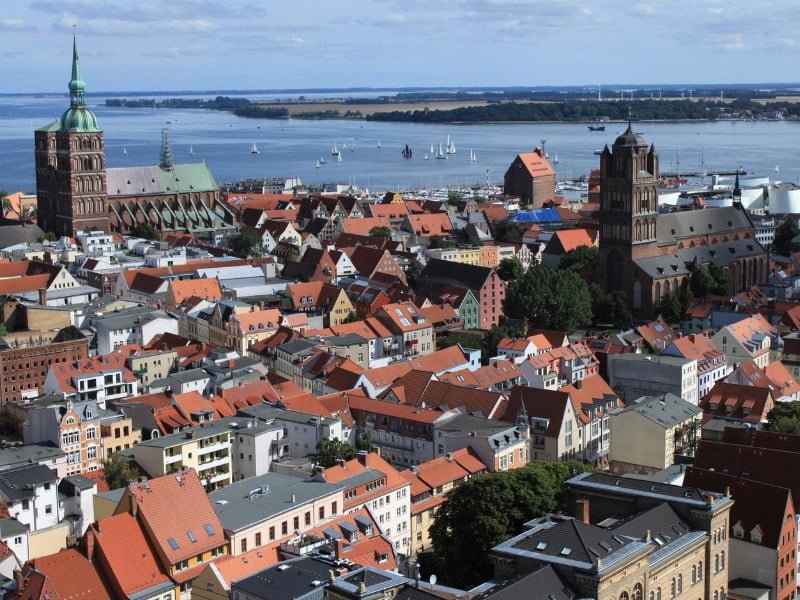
<point>734,401</point>
<point>132,563</point>
<point>171,507</point>
<point>68,575</point>
<point>202,287</point>
<point>536,164</point>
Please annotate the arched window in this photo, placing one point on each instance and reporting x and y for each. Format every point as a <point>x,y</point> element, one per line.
<point>694,574</point>
<point>722,559</point>
<point>638,592</point>
<point>680,584</point>
<point>624,596</point>
<point>673,587</point>
<point>716,563</point>
<point>716,595</point>
<point>658,593</point>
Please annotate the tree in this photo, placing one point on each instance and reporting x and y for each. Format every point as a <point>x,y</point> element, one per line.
<point>330,450</point>
<point>784,418</point>
<point>722,279</point>
<point>453,198</point>
<point>509,232</point>
<point>413,271</point>
<point>701,282</point>
<point>116,472</point>
<point>487,510</point>
<point>438,241</point>
<point>610,308</point>
<point>381,232</point>
<point>784,234</point>
<point>549,299</point>
<point>247,242</point>
<point>50,236</point>
<point>670,308</point>
<point>352,317</point>
<point>579,258</point>
<point>7,206</point>
<point>146,231</point>
<point>510,269</point>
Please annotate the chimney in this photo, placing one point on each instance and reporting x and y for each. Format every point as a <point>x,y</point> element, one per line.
<point>133,509</point>
<point>362,457</point>
<point>582,510</point>
<point>43,296</point>
<point>449,457</point>
<point>89,544</point>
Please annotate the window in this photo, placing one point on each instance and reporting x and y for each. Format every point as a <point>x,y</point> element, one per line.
<point>48,510</point>
<point>673,587</point>
<point>680,584</point>
<point>284,528</point>
<point>296,523</point>
<point>243,545</point>
<point>321,512</point>
<point>258,538</point>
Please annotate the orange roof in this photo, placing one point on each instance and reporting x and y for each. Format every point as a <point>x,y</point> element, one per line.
<point>536,164</point>
<point>404,316</point>
<point>64,372</point>
<point>388,211</point>
<point>69,575</point>
<point>385,376</point>
<point>202,287</point>
<point>390,409</point>
<point>173,506</point>
<point>232,568</point>
<point>440,471</point>
<point>132,564</point>
<point>351,468</point>
<point>363,225</point>
<point>25,283</point>
<point>258,319</point>
<point>431,224</point>
<point>571,239</point>
<point>439,361</point>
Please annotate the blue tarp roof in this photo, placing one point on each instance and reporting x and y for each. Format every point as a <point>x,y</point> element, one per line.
<point>539,215</point>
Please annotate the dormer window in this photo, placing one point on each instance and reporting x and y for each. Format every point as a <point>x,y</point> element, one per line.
<point>738,531</point>
<point>756,534</point>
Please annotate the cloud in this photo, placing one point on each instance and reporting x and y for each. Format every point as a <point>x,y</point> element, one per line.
<point>11,25</point>
<point>120,27</point>
<point>644,10</point>
<point>734,44</point>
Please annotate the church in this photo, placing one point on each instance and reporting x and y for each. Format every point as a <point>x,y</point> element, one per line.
<point>76,191</point>
<point>646,254</point>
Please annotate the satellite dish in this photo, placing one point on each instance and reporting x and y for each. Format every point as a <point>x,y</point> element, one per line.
<point>432,579</point>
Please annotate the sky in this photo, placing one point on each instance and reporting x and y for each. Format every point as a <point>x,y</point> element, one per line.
<point>148,45</point>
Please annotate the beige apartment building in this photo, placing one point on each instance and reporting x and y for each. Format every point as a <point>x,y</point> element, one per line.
<point>149,366</point>
<point>118,434</point>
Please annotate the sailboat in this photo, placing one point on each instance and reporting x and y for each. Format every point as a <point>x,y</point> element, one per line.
<point>777,168</point>
<point>318,165</point>
<point>555,158</point>
<point>125,151</point>
<point>433,152</point>
<point>379,144</point>
<point>407,152</point>
<point>254,149</point>
<point>441,155</point>
<point>472,156</point>
<point>451,147</point>
<point>425,157</point>
<point>321,160</point>
<point>338,157</point>
<point>191,151</point>
<point>334,150</point>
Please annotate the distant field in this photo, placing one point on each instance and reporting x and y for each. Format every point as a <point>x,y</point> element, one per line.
<point>369,109</point>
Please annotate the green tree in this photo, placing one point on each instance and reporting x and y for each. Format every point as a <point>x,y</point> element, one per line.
<point>722,279</point>
<point>453,198</point>
<point>487,510</point>
<point>549,299</point>
<point>352,317</point>
<point>784,418</point>
<point>413,271</point>
<point>579,258</point>
<point>50,236</point>
<point>783,237</point>
<point>701,282</point>
<point>381,232</point>
<point>438,241</point>
<point>247,242</point>
<point>146,231</point>
<point>116,472</point>
<point>7,206</point>
<point>670,308</point>
<point>329,450</point>
<point>510,269</point>
<point>508,232</point>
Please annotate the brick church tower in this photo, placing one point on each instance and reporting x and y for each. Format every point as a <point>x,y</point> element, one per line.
<point>71,166</point>
<point>628,210</point>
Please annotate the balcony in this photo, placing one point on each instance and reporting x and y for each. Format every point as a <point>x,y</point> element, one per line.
<point>211,464</point>
<point>172,458</point>
<point>220,476</point>
<point>215,447</point>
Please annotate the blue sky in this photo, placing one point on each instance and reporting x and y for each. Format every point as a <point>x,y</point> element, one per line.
<point>236,44</point>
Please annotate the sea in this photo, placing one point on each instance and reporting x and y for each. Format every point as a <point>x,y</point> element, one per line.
<point>371,151</point>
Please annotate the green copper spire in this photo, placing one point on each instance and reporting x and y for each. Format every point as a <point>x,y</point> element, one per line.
<point>77,86</point>
<point>77,117</point>
<point>166,150</point>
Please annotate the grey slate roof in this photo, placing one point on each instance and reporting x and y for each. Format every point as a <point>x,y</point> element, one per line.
<point>445,271</point>
<point>671,227</point>
<point>671,265</point>
<point>667,410</point>
<point>239,508</point>
<point>301,579</point>
<point>12,233</point>
<point>138,181</point>
<point>21,455</point>
<point>11,527</point>
<point>14,482</point>
<point>545,581</point>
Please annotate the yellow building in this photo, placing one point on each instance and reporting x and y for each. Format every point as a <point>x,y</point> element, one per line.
<point>149,366</point>
<point>118,434</point>
<point>205,448</point>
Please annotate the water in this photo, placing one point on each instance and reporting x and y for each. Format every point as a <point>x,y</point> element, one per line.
<point>291,148</point>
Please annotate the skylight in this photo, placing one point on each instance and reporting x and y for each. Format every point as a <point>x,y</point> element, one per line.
<point>173,543</point>
<point>209,529</point>
<point>566,551</point>
<point>191,537</point>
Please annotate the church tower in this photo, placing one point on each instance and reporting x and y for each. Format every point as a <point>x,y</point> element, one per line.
<point>71,166</point>
<point>628,209</point>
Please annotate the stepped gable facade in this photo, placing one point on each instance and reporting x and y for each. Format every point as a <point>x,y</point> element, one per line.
<point>76,191</point>
<point>646,254</point>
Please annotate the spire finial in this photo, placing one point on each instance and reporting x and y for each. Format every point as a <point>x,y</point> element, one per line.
<point>166,150</point>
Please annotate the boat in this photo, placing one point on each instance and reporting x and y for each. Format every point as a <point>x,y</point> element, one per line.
<point>433,152</point>
<point>451,147</point>
<point>334,150</point>
<point>318,165</point>
<point>472,156</point>
<point>425,157</point>
<point>777,168</point>
<point>124,150</point>
<point>555,158</point>
<point>407,153</point>
<point>597,127</point>
<point>321,160</point>
<point>441,155</point>
<point>379,144</point>
<point>598,152</point>
<point>254,149</point>
<point>338,157</point>
<point>191,151</point>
